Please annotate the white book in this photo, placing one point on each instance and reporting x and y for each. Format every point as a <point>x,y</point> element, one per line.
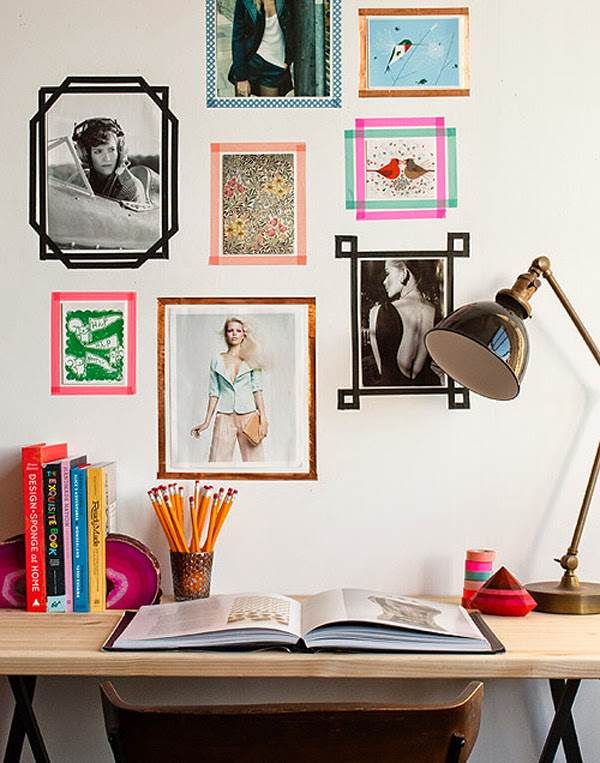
<point>339,619</point>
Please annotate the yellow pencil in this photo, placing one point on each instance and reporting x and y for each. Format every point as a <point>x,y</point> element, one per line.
<point>201,516</point>
<point>167,518</point>
<point>221,518</point>
<point>181,544</point>
<point>193,512</point>
<point>213,519</point>
<point>163,521</point>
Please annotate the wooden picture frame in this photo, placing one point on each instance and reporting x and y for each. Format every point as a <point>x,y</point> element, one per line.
<point>192,372</point>
<point>414,52</point>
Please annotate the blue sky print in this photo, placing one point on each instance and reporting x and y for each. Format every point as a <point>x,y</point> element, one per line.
<point>416,53</point>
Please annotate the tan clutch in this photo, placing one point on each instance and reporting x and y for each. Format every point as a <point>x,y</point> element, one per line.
<point>251,429</point>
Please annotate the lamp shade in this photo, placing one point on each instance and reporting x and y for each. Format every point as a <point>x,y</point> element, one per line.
<point>484,347</point>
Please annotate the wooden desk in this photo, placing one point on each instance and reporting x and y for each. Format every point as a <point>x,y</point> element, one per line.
<point>562,648</point>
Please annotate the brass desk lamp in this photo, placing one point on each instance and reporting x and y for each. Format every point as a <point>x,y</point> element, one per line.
<point>484,346</point>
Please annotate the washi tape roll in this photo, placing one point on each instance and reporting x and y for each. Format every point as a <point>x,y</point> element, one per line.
<point>477,566</point>
<point>478,569</point>
<point>481,555</point>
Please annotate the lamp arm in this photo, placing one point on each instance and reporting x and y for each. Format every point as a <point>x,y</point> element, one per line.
<point>541,266</point>
<point>569,561</point>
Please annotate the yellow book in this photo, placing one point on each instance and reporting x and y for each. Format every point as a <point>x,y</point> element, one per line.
<point>101,494</point>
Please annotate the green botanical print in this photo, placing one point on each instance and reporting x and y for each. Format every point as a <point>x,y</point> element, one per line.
<point>258,204</point>
<point>94,349</point>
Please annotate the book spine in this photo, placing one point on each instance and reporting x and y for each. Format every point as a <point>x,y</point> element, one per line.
<point>96,539</point>
<point>79,540</point>
<point>33,505</point>
<point>55,565</point>
<point>65,485</point>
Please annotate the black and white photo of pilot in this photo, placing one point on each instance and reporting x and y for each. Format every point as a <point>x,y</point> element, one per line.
<point>103,171</point>
<point>401,299</point>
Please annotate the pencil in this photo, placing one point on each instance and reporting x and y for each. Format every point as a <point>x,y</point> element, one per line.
<point>181,544</point>
<point>193,512</point>
<point>222,517</point>
<point>201,517</point>
<point>213,519</point>
<point>163,521</point>
<point>167,518</point>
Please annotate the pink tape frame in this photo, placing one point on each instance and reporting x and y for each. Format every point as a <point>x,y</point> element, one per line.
<point>90,298</point>
<point>216,208</point>
<point>361,174</point>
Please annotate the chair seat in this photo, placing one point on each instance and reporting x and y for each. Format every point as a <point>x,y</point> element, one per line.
<point>294,733</point>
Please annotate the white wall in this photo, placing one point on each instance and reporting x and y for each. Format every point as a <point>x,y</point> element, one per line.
<point>508,476</point>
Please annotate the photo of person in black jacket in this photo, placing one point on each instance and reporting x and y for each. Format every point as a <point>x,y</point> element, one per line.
<point>261,48</point>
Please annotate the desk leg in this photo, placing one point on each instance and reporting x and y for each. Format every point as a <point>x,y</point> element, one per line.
<point>563,695</point>
<point>24,722</point>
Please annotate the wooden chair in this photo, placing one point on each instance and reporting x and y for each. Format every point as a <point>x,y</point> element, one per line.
<point>298,733</point>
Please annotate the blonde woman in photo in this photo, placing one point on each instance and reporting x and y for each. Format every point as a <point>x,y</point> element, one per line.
<point>235,393</point>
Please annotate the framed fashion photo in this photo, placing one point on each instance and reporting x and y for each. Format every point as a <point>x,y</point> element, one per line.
<point>396,298</point>
<point>236,385</point>
<point>103,172</point>
<point>413,52</point>
<point>273,53</point>
<point>258,204</point>
<point>93,343</point>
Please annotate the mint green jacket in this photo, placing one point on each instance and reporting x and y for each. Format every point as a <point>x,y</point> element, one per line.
<point>236,396</point>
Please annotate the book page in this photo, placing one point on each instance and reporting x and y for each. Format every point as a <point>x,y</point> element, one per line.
<point>405,612</point>
<point>386,609</point>
<point>217,613</point>
<point>324,607</point>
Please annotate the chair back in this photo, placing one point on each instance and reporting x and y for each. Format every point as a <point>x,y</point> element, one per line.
<point>294,733</point>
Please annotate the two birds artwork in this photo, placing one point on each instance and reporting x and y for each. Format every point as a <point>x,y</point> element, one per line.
<point>396,167</point>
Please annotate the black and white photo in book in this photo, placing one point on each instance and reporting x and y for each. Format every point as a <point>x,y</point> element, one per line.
<point>396,298</point>
<point>104,172</point>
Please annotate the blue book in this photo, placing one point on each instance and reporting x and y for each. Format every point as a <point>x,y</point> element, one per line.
<point>79,539</point>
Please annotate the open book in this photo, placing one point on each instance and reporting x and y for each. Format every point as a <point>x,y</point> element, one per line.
<point>346,618</point>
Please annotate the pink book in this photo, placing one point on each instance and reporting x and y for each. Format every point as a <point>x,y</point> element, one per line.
<point>66,465</point>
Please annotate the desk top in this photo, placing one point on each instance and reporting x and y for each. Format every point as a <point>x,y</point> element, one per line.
<point>537,646</point>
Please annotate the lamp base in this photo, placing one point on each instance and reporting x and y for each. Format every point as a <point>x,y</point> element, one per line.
<point>550,597</point>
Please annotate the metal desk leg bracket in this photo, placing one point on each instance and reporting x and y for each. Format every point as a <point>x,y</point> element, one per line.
<point>24,722</point>
<point>563,727</point>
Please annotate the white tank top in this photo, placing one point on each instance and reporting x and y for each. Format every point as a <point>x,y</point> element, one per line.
<point>272,46</point>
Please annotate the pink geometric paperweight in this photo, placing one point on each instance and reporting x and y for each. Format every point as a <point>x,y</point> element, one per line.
<point>502,594</point>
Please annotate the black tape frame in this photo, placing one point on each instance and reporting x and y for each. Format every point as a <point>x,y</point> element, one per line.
<point>346,247</point>
<point>104,258</point>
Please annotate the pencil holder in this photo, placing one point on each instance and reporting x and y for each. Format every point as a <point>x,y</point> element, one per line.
<point>191,574</point>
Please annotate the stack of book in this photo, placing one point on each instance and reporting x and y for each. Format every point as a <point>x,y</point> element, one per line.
<point>69,508</point>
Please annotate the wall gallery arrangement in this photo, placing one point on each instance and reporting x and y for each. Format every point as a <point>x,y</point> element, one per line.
<point>236,375</point>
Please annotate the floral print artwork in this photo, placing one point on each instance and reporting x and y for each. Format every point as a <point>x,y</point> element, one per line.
<point>258,203</point>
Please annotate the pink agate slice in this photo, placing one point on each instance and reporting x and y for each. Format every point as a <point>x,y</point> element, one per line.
<point>12,573</point>
<point>132,573</point>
